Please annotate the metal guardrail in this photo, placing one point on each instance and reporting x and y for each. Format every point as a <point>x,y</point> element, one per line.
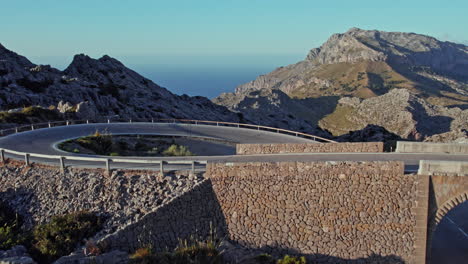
<point>108,161</point>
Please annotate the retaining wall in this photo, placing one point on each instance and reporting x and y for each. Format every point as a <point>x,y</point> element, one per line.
<point>439,167</point>
<point>246,149</point>
<point>194,214</point>
<point>348,210</point>
<point>426,147</point>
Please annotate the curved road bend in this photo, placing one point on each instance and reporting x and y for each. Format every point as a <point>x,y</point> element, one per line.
<point>42,141</point>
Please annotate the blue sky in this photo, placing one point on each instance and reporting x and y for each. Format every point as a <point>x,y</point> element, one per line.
<point>210,33</point>
<point>212,27</point>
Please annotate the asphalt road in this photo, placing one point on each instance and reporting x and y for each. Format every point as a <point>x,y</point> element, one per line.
<point>450,242</point>
<point>43,141</point>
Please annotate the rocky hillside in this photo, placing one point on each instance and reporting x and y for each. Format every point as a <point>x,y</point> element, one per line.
<point>412,85</point>
<point>91,88</point>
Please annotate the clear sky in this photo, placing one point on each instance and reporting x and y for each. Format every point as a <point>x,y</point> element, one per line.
<point>210,32</point>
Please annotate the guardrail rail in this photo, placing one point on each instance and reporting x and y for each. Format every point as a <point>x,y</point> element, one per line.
<point>62,159</point>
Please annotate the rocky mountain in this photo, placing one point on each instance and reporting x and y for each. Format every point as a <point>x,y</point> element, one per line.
<point>92,88</point>
<point>412,85</point>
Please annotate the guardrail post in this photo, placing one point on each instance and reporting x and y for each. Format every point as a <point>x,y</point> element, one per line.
<point>217,123</point>
<point>2,155</point>
<point>130,121</point>
<point>16,130</point>
<point>258,128</point>
<point>108,121</point>
<point>161,167</point>
<point>62,164</point>
<point>196,122</point>
<point>152,120</point>
<point>26,159</point>
<point>277,130</point>
<point>87,121</point>
<point>193,166</point>
<point>67,122</point>
<point>108,168</point>
<point>50,125</point>
<point>32,127</point>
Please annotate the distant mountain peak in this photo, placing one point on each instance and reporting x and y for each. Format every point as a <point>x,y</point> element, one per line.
<point>83,64</point>
<point>411,84</point>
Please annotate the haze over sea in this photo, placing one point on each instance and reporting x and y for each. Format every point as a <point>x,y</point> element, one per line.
<point>205,75</point>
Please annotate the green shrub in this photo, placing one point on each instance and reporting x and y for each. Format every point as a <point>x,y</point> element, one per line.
<point>31,114</point>
<point>264,259</point>
<point>62,234</point>
<point>101,144</point>
<point>292,260</point>
<point>140,146</point>
<point>153,151</point>
<point>188,251</point>
<point>177,150</point>
<point>11,233</point>
<point>114,154</point>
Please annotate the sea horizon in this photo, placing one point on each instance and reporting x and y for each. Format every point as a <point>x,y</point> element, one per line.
<point>194,75</point>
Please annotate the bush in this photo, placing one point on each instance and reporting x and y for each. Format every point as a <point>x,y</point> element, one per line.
<point>292,260</point>
<point>191,252</point>
<point>101,144</point>
<point>177,150</point>
<point>31,114</point>
<point>114,154</point>
<point>264,259</point>
<point>11,233</point>
<point>62,234</point>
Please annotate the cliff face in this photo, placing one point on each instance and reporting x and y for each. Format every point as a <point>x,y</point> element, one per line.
<point>96,88</point>
<point>412,85</point>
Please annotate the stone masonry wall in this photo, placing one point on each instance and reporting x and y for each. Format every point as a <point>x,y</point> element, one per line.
<point>39,192</point>
<point>327,210</point>
<point>194,214</point>
<point>249,149</point>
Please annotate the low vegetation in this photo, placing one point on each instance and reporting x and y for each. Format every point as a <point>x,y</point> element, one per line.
<point>188,251</point>
<point>63,234</point>
<point>11,233</point>
<point>49,241</point>
<point>31,114</point>
<point>125,145</point>
<point>268,259</point>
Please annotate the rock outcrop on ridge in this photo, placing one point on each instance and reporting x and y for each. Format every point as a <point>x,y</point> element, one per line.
<point>412,85</point>
<point>91,88</point>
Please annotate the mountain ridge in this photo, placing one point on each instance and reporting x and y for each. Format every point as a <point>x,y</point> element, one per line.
<point>91,88</point>
<point>367,64</point>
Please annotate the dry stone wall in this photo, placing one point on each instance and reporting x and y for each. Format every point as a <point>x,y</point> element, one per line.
<point>348,210</point>
<point>249,149</point>
<point>195,214</point>
<point>38,192</point>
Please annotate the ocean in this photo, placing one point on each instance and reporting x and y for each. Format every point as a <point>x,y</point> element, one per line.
<point>205,75</point>
<point>208,82</point>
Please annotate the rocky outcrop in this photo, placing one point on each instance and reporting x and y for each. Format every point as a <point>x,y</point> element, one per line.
<point>16,255</point>
<point>96,87</point>
<point>273,108</point>
<point>411,85</point>
<point>38,193</point>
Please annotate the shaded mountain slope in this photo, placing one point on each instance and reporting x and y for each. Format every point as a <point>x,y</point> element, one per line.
<point>93,88</point>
